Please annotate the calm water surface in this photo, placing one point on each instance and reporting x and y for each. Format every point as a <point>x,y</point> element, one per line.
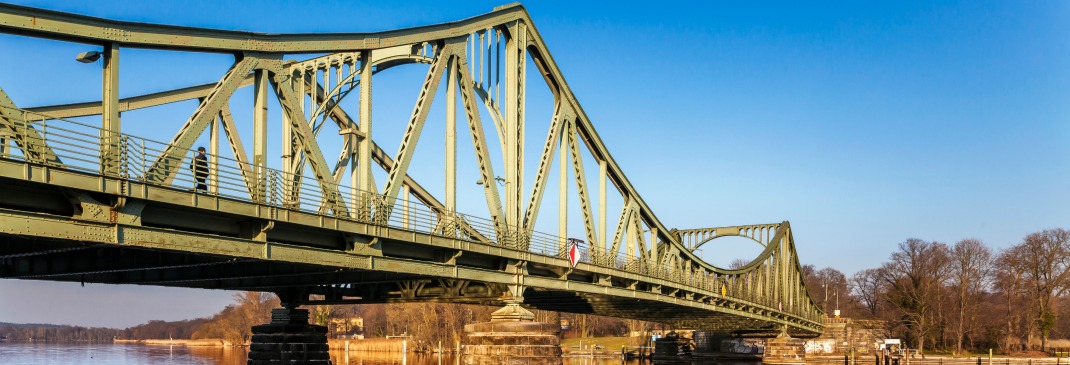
<point>131,354</point>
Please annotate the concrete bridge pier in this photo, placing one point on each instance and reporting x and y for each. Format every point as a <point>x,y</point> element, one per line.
<point>289,339</point>
<point>512,337</point>
<point>784,349</point>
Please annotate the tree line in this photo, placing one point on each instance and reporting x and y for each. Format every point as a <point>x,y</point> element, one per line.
<point>233,323</point>
<point>64,333</point>
<point>954,297</point>
<point>962,296</point>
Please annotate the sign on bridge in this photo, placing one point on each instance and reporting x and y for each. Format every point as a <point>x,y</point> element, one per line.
<point>573,251</point>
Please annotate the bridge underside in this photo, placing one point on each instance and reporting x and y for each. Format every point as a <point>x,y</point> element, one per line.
<point>81,256</point>
<point>101,263</point>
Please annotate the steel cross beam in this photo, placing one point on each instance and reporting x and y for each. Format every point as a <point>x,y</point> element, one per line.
<point>20,131</point>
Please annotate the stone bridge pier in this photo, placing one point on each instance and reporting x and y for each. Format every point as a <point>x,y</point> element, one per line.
<point>289,339</point>
<point>784,349</point>
<point>512,337</point>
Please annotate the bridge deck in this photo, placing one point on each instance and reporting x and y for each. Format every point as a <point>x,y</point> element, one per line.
<point>171,236</point>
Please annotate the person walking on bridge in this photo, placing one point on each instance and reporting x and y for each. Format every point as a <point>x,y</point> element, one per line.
<point>199,165</point>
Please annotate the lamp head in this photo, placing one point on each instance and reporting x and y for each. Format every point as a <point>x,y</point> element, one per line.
<point>88,57</point>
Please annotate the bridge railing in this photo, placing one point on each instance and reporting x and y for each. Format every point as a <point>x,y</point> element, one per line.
<point>88,149</point>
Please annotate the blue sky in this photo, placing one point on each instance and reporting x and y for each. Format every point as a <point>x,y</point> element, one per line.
<point>863,124</point>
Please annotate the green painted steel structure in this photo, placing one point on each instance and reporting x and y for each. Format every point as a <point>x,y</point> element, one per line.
<point>90,203</point>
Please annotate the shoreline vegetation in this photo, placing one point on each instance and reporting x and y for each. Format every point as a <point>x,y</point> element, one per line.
<point>941,299</point>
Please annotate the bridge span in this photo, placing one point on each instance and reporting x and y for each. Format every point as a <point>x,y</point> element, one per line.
<point>81,200</point>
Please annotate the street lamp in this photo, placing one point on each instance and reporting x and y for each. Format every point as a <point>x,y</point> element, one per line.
<point>499,179</point>
<point>88,57</point>
<point>109,110</point>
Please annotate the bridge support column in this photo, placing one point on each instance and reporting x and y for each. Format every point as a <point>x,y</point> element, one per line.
<point>512,337</point>
<point>289,339</point>
<point>671,347</point>
<point>784,350</point>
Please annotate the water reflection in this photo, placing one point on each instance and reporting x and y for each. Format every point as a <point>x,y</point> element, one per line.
<point>117,354</point>
<point>384,358</point>
<point>615,361</point>
<point>133,354</point>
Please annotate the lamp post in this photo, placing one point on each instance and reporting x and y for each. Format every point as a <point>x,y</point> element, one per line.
<point>109,111</point>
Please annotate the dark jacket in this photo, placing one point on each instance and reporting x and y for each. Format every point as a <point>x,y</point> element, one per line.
<point>199,165</point>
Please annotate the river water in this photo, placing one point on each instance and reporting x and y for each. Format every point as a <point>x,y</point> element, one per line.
<point>133,354</point>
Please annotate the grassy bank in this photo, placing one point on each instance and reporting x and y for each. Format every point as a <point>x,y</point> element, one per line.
<point>372,345</point>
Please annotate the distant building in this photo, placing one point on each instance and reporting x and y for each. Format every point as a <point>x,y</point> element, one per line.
<point>347,327</point>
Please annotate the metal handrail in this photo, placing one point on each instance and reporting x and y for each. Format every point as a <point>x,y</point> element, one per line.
<point>86,148</point>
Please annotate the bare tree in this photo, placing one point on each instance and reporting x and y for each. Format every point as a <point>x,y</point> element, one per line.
<point>322,315</point>
<point>1010,284</point>
<point>737,264</point>
<point>1044,259</point>
<point>971,268</point>
<point>376,321</point>
<point>827,288</point>
<point>866,286</point>
<point>808,271</point>
<point>257,305</point>
<point>640,328</point>
<point>251,308</point>
<point>915,275</point>
<point>398,318</point>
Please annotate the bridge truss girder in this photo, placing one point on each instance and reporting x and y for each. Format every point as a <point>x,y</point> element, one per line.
<point>272,220</point>
<point>176,245</point>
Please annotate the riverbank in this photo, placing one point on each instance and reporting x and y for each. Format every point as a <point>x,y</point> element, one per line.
<point>396,345</point>
<point>594,346</point>
<point>170,342</point>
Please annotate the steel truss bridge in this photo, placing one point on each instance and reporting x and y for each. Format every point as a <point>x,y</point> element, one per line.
<point>85,202</point>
